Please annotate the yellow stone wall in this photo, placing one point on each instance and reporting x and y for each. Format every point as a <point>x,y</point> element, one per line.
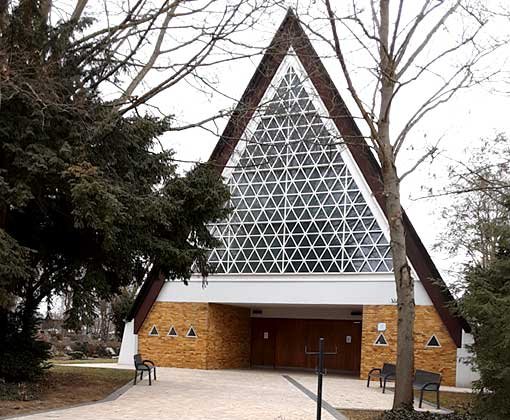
<point>427,323</point>
<point>223,336</point>
<point>229,340</point>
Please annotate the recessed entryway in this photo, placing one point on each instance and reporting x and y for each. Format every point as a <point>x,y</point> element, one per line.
<point>281,342</point>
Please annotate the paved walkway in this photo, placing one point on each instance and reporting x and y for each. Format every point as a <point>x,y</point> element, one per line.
<point>186,394</point>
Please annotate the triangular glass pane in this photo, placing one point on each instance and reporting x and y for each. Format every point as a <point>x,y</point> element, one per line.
<point>298,208</point>
<point>381,340</point>
<point>433,342</point>
<point>191,333</point>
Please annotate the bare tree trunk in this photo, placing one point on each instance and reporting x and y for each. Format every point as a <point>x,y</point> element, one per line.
<point>103,320</point>
<point>380,136</point>
<point>78,10</point>
<point>404,284</point>
<point>403,281</point>
<point>405,288</point>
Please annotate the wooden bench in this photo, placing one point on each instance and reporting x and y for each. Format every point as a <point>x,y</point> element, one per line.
<point>144,366</point>
<point>427,381</point>
<point>387,373</point>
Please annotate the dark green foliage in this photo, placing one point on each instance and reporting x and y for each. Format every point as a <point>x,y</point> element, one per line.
<point>23,391</point>
<point>401,414</point>
<point>82,350</point>
<point>87,202</point>
<point>486,304</point>
<point>121,305</point>
<point>22,356</point>
<point>76,355</point>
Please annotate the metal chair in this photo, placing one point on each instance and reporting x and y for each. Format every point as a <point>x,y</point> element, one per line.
<point>427,381</point>
<point>144,366</point>
<point>387,373</point>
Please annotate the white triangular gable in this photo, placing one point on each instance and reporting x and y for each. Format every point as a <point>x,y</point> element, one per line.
<point>300,203</point>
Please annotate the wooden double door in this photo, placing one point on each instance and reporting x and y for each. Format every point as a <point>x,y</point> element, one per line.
<point>280,343</point>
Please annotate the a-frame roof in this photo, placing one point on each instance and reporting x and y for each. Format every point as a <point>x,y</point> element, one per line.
<point>291,35</point>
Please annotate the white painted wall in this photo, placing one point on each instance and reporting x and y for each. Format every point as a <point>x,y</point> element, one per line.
<point>465,373</point>
<point>129,346</point>
<point>320,289</point>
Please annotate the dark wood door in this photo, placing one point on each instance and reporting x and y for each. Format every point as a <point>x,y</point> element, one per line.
<point>263,341</point>
<point>281,343</point>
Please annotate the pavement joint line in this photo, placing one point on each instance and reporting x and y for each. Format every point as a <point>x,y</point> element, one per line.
<point>325,405</point>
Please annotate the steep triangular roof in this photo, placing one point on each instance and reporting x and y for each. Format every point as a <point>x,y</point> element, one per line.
<point>291,35</point>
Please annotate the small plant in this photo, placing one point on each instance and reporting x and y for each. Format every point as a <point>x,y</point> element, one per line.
<point>76,355</point>
<point>402,414</point>
<point>23,391</point>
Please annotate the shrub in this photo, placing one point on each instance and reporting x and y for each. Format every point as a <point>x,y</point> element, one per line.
<point>23,356</point>
<point>25,391</point>
<point>101,351</point>
<point>486,305</point>
<point>76,355</point>
<point>81,347</point>
<point>402,414</point>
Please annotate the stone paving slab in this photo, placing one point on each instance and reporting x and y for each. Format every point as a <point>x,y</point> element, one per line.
<point>227,395</point>
<point>197,394</point>
<point>130,367</point>
<point>352,393</point>
<point>347,392</point>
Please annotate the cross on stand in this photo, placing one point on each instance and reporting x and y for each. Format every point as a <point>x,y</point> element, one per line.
<point>320,371</point>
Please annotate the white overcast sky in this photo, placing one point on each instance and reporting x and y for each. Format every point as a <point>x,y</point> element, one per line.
<point>472,114</point>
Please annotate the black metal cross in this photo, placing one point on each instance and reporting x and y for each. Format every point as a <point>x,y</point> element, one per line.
<point>320,372</point>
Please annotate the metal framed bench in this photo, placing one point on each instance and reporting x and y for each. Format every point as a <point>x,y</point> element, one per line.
<point>144,366</point>
<point>387,373</point>
<point>427,381</point>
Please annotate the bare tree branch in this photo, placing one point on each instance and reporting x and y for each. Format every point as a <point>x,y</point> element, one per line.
<point>350,84</point>
<point>78,10</point>
<point>152,59</point>
<point>427,39</point>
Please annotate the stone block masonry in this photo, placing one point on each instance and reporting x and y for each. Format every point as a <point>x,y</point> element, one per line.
<point>229,338</point>
<point>427,323</point>
<point>222,336</point>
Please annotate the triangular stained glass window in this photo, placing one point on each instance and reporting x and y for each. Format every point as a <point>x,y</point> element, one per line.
<point>433,342</point>
<point>305,189</point>
<point>381,340</point>
<point>191,333</point>
<point>154,331</point>
<point>172,332</point>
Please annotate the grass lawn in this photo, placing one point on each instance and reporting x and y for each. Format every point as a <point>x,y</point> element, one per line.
<point>453,400</point>
<point>73,362</point>
<point>361,414</point>
<point>64,386</point>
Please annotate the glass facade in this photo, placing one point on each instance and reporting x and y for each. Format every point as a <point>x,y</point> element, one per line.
<point>297,208</point>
